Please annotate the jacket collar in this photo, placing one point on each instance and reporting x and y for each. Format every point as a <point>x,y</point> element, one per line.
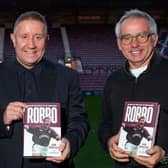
<point>155,60</point>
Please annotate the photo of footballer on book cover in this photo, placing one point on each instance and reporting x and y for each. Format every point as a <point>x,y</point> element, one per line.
<point>42,130</point>
<point>138,128</point>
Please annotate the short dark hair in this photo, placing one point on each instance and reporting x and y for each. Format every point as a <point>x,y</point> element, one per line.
<point>34,15</point>
<point>140,118</point>
<point>46,118</point>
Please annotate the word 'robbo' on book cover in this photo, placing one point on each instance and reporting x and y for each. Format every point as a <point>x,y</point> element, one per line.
<point>138,128</point>
<point>42,129</point>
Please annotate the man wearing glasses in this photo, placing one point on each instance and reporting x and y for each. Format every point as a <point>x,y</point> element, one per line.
<point>144,78</point>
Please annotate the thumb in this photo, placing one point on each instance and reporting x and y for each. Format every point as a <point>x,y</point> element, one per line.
<point>63,144</point>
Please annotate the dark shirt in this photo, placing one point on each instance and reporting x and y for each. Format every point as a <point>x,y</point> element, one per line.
<point>28,82</point>
<point>28,90</point>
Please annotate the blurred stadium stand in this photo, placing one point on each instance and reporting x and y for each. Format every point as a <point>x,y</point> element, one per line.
<point>95,45</point>
<point>89,29</point>
<point>162,46</point>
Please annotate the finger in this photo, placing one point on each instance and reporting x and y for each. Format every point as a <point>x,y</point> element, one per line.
<point>17,115</point>
<point>62,146</point>
<point>55,159</point>
<point>65,149</point>
<point>120,158</point>
<point>141,160</point>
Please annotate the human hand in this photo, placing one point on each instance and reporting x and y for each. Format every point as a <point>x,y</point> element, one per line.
<point>26,126</point>
<point>13,111</point>
<point>156,154</point>
<point>65,150</point>
<point>123,125</point>
<point>116,152</point>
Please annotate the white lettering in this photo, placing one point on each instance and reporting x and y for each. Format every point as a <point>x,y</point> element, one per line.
<point>37,114</point>
<point>133,113</point>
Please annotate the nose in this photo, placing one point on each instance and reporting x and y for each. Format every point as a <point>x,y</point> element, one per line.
<point>31,43</point>
<point>134,42</point>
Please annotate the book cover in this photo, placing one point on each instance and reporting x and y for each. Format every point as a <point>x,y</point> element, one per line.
<point>139,126</point>
<point>42,130</point>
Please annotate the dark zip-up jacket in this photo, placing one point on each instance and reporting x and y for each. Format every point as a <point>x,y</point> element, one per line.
<point>121,86</point>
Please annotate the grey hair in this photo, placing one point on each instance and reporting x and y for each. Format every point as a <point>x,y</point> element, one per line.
<point>139,14</point>
<point>34,15</point>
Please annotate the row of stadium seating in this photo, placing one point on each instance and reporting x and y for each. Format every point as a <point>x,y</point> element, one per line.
<point>95,46</point>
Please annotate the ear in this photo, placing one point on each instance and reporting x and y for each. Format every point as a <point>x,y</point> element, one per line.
<point>118,44</point>
<point>12,37</point>
<point>155,38</point>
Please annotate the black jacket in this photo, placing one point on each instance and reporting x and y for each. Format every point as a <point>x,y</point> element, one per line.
<point>121,86</point>
<point>56,83</point>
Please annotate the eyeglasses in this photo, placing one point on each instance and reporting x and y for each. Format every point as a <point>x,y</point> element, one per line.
<point>140,37</point>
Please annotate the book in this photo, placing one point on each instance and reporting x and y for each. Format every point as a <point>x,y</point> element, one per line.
<point>42,129</point>
<point>139,126</point>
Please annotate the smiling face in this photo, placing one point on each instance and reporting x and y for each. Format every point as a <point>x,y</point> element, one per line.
<point>29,42</point>
<point>138,54</point>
